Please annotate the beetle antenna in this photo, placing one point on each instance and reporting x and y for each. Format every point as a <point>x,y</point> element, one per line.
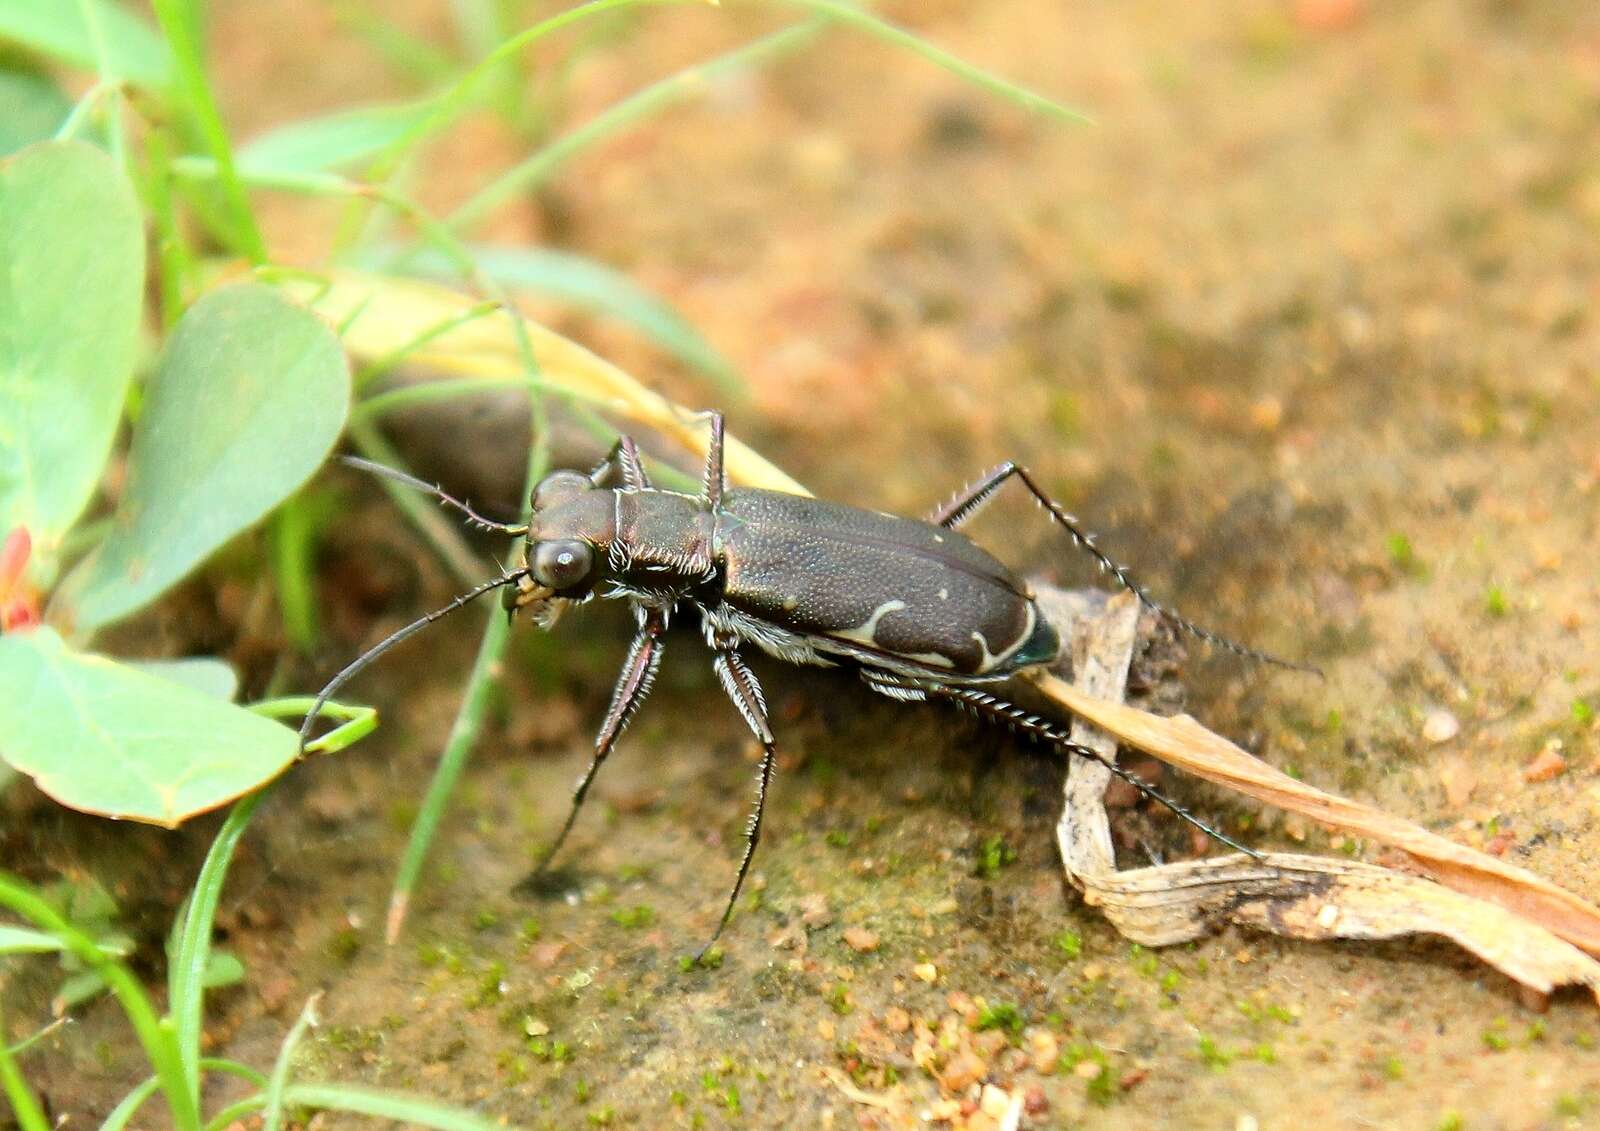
<point>437,492</point>
<point>354,666</point>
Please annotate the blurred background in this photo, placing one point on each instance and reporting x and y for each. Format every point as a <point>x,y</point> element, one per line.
<point>1304,324</point>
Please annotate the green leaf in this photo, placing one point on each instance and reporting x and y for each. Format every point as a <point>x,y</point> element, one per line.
<point>250,395</point>
<point>222,969</point>
<point>599,289</point>
<point>205,674</point>
<point>387,1105</point>
<point>70,30</point>
<point>317,145</point>
<point>23,940</point>
<point>32,108</point>
<point>71,274</point>
<point>105,738</point>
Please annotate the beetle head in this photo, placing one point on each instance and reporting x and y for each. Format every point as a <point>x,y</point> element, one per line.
<point>564,554</point>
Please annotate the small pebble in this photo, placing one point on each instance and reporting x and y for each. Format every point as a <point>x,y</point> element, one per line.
<point>896,1020</point>
<point>964,1070</point>
<point>1440,726</point>
<point>995,1101</point>
<point>860,939</point>
<point>1046,1051</point>
<point>925,972</point>
<point>1549,763</point>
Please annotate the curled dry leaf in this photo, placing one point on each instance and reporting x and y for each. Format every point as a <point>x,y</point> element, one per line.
<point>1506,916</point>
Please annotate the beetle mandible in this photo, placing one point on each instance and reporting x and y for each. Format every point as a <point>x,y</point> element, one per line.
<point>917,609</point>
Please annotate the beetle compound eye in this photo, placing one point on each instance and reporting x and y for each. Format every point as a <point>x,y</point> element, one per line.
<point>558,485</point>
<point>562,565</point>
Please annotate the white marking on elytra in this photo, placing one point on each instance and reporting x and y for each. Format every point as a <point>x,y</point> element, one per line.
<point>944,594</point>
<point>868,633</point>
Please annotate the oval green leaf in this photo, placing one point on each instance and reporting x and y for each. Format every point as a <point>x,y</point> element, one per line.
<point>205,674</point>
<point>32,108</point>
<point>109,739</point>
<point>71,273</point>
<point>87,33</point>
<point>250,395</point>
<point>333,141</point>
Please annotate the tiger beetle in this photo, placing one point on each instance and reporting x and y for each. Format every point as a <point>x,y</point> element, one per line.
<point>915,608</point>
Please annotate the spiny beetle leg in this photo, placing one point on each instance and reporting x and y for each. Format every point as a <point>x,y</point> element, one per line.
<point>972,500</point>
<point>741,685</point>
<point>985,705</point>
<point>624,457</point>
<point>638,673</point>
<point>716,481</point>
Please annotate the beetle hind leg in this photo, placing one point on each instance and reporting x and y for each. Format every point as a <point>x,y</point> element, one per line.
<point>972,500</point>
<point>742,687</point>
<point>995,709</point>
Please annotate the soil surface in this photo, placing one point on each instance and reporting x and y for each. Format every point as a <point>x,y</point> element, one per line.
<point>1304,326</point>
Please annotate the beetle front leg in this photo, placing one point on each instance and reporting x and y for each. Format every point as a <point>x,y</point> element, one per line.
<point>741,685</point>
<point>624,456</point>
<point>638,673</point>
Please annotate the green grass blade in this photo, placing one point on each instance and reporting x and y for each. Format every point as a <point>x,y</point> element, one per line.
<point>194,940</point>
<point>463,733</point>
<point>853,16</point>
<point>130,1105</point>
<point>411,57</point>
<point>379,366</point>
<point>438,531</point>
<point>34,1038</point>
<point>235,1112</point>
<point>592,286</point>
<point>24,1104</point>
<point>456,99</point>
<point>272,1116</point>
<point>388,1105</point>
<point>180,23</point>
<point>21,940</point>
<point>539,166</point>
<point>155,1035</point>
<point>293,542</point>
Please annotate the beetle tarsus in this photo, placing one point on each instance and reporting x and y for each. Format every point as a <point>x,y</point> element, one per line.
<point>984,704</point>
<point>638,675</point>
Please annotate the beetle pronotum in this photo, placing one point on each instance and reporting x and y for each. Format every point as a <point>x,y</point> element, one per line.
<point>914,607</point>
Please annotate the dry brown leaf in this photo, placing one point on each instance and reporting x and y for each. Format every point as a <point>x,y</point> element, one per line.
<point>380,315</point>
<point>1181,741</point>
<point>1304,897</point>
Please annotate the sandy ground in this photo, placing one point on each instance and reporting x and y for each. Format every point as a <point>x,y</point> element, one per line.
<point>1304,325</point>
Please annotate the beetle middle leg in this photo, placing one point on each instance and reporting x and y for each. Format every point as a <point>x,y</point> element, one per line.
<point>972,500</point>
<point>638,673</point>
<point>742,687</point>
